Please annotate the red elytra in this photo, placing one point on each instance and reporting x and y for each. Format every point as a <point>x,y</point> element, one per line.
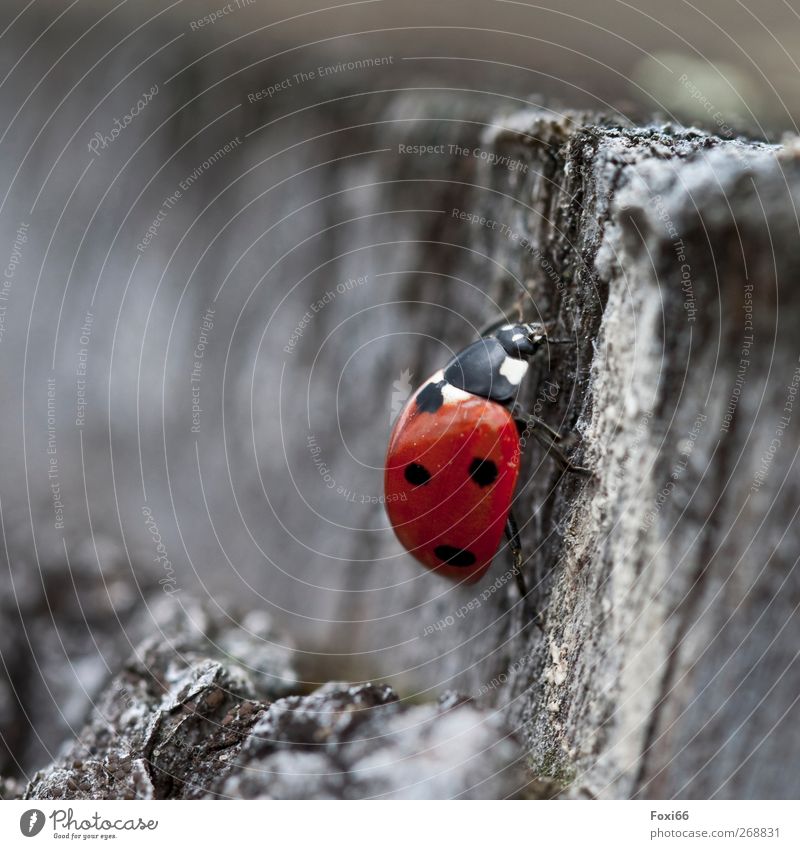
<point>450,479</point>
<point>454,457</point>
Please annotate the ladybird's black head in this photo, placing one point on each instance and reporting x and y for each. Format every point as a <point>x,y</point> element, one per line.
<point>521,340</point>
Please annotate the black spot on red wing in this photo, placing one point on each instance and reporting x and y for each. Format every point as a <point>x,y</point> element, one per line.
<point>483,471</point>
<point>453,556</point>
<point>416,474</point>
<point>430,399</point>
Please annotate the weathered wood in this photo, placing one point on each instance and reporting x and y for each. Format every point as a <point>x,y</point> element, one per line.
<point>191,718</point>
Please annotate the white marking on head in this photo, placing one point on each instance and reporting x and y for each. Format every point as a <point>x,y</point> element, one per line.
<point>513,370</point>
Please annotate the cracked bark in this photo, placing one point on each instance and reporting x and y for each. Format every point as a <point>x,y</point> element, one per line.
<point>179,723</point>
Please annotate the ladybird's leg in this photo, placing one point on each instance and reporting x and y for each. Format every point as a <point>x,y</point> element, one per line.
<point>512,535</point>
<point>548,439</point>
<point>514,544</point>
<point>562,461</point>
<point>535,423</point>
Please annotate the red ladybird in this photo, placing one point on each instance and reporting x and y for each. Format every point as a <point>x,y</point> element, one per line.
<point>454,457</point>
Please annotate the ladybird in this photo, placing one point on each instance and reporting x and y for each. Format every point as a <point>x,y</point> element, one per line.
<point>454,457</point>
